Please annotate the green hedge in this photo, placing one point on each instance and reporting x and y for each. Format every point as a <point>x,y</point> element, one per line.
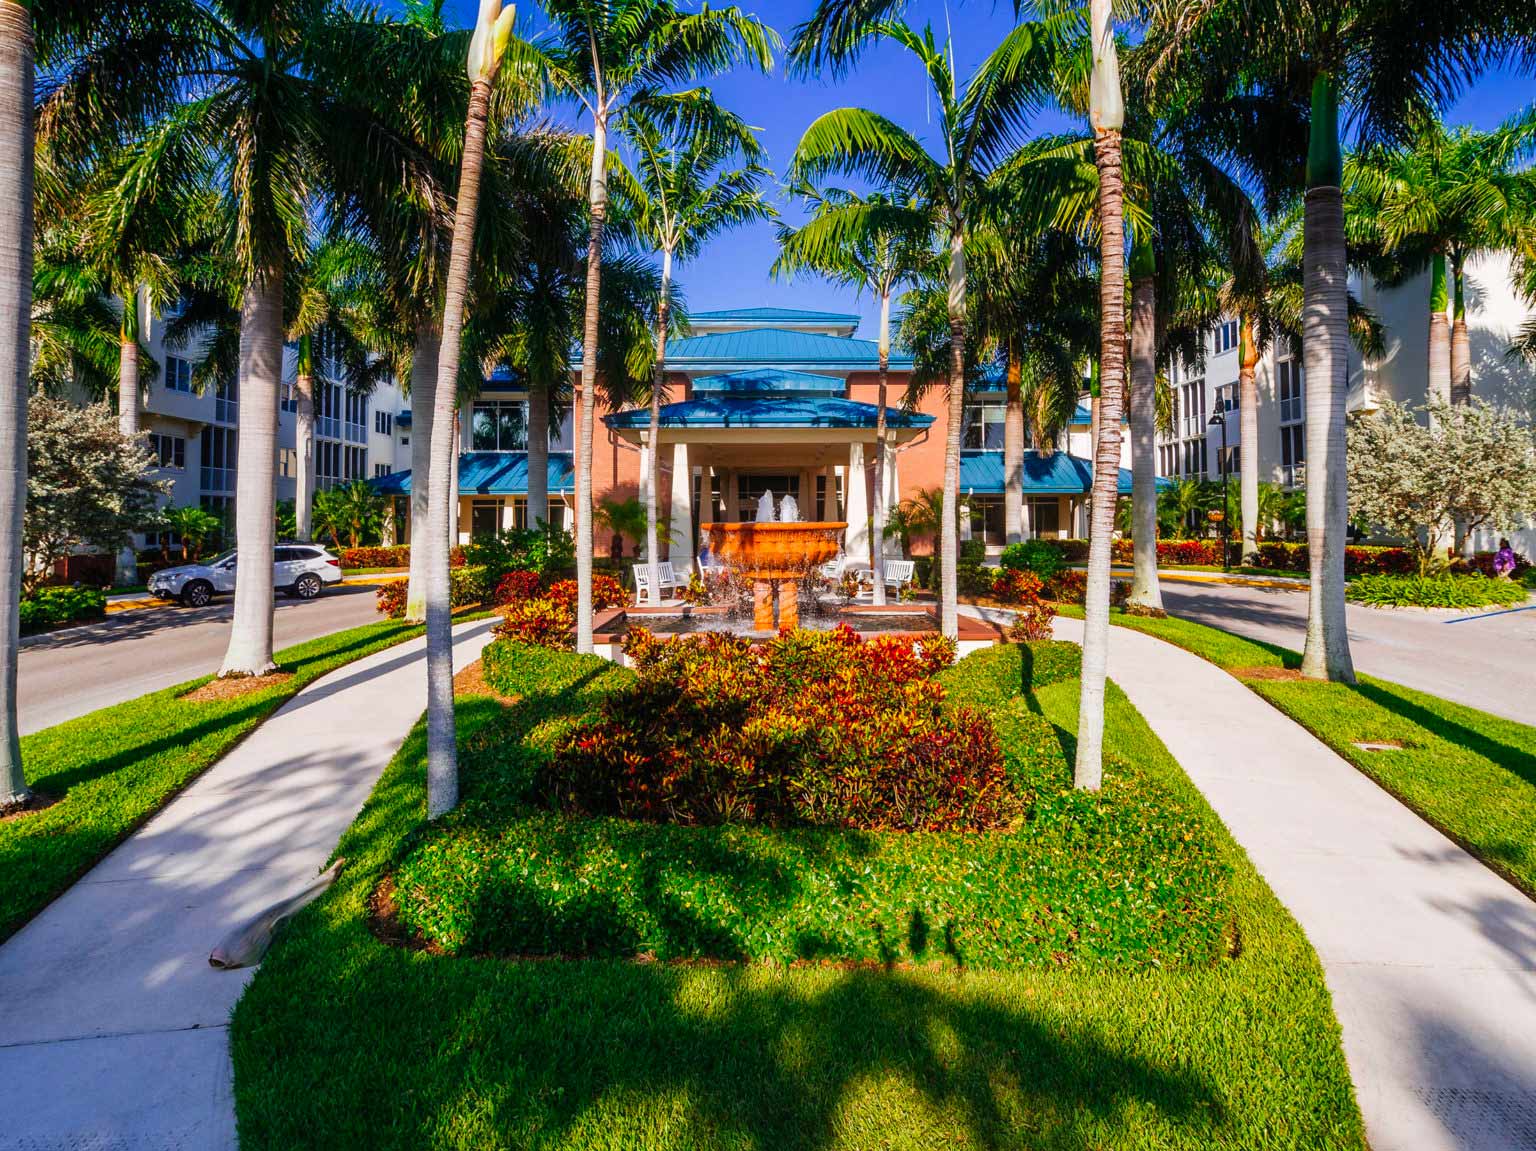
<point>995,675</point>
<point>1453,591</point>
<point>52,606</point>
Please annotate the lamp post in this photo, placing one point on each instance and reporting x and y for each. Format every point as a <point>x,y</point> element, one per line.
<point>1219,419</point>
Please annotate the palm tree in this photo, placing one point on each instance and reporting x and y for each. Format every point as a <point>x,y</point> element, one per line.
<point>1106,114</point>
<point>853,240</point>
<point>684,190</point>
<point>486,50</point>
<point>1389,64</point>
<point>611,58</point>
<point>948,199</point>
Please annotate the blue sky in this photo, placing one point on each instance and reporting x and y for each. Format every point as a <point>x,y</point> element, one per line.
<point>734,272</point>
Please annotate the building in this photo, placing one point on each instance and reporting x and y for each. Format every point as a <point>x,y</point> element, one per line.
<point>763,400</point>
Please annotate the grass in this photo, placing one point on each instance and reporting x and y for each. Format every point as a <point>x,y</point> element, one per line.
<point>1471,774</point>
<point>345,1041</point>
<point>115,767</point>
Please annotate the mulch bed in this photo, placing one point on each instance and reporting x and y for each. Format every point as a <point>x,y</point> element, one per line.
<point>471,681</point>
<point>220,689</point>
<point>1287,674</point>
<point>37,801</point>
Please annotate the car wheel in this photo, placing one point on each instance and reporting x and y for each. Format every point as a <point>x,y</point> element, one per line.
<point>307,586</point>
<point>197,593</point>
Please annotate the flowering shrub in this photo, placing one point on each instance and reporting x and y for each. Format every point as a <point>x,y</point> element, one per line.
<point>353,558</point>
<point>540,621</point>
<point>606,592</point>
<point>1016,585</point>
<point>516,586</point>
<point>1068,586</point>
<point>1379,561</point>
<point>1034,613</point>
<point>466,586</point>
<point>389,599</point>
<point>695,593</point>
<point>1189,551</point>
<point>820,728</point>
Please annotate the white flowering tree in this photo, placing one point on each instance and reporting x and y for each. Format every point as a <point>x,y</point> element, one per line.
<point>1471,464</point>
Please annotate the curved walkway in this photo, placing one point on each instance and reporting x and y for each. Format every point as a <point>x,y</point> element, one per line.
<point>1431,957</point>
<point>113,1028</point>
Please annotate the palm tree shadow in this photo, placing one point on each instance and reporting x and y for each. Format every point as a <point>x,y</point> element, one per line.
<point>1519,759</point>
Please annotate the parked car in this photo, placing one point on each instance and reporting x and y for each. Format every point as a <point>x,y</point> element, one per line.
<point>298,569</point>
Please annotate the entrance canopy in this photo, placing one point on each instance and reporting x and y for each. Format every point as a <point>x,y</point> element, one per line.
<point>778,410</point>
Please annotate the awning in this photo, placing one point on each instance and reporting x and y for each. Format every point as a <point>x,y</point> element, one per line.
<point>491,474</point>
<point>1057,474</point>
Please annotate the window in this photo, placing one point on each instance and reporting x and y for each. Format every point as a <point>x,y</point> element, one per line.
<point>1224,337</point>
<point>169,451</point>
<point>984,428</point>
<point>1168,460</point>
<point>1293,453</point>
<point>383,423</point>
<point>1192,409</point>
<point>1226,398</point>
<point>288,398</point>
<point>1291,388</point>
<point>987,520</point>
<point>337,463</point>
<point>287,462</point>
<point>355,421</point>
<point>178,374</point>
<point>1045,517</point>
<point>1194,458</point>
<point>405,441</point>
<point>226,401</point>
<point>380,470</point>
<point>750,491</point>
<point>1227,460</point>
<point>500,426</point>
<point>484,519</point>
<point>217,473</point>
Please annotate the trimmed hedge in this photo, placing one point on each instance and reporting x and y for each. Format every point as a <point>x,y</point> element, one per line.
<point>995,675</point>
<point>1452,591</point>
<point>52,606</point>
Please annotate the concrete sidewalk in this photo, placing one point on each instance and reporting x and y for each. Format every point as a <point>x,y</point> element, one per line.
<point>1431,957</point>
<point>113,1028</point>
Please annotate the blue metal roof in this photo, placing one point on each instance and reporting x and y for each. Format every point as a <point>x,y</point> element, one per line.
<point>779,411</point>
<point>491,474</point>
<point>1083,414</point>
<point>1057,474</point>
<point>778,347</point>
<point>774,315</point>
<point>774,381</point>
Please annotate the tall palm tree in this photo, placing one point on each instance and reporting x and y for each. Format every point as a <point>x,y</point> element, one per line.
<point>978,131</point>
<point>611,58</point>
<point>853,240</point>
<point>685,187</point>
<point>493,32</point>
<point>1389,64</point>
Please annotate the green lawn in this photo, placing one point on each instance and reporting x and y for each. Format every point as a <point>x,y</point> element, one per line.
<point>116,767</point>
<point>344,1041</point>
<point>1471,774</point>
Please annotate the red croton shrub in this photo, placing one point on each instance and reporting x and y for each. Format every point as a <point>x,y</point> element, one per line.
<point>810,728</point>
<point>516,586</point>
<point>389,600</point>
<point>540,621</point>
<point>606,592</point>
<point>1068,586</point>
<point>1025,593</point>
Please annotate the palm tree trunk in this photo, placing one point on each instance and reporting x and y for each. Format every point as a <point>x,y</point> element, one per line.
<point>304,443</point>
<point>1461,339</point>
<point>882,433</point>
<point>442,738</point>
<point>423,396</point>
<point>1325,345</point>
<point>1013,450</point>
<point>658,384</point>
<point>1088,771</point>
<point>597,200</point>
<point>128,413</point>
<point>1145,589</point>
<point>538,453</point>
<point>1248,435</point>
<point>261,375</point>
<point>15,361</point>
<point>1439,334</point>
<point>949,531</point>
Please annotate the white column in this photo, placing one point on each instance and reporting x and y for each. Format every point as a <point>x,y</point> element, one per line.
<point>857,499</point>
<point>682,509</point>
<point>891,545</point>
<point>645,486</point>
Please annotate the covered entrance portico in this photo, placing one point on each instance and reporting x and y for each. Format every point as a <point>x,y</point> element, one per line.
<point>718,455</point>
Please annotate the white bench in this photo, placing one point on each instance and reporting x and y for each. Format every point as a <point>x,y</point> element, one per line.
<point>642,577</point>
<point>899,574</point>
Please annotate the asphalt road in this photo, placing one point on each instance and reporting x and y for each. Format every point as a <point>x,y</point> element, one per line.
<point>1483,660</point>
<point>132,653</point>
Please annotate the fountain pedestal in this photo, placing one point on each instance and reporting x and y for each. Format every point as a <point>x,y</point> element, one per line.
<point>774,558</point>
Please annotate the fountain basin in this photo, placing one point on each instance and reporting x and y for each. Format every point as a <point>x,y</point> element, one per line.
<point>774,557</point>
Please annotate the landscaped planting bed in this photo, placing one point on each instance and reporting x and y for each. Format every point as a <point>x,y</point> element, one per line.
<point>1448,591</point>
<point>1094,971</point>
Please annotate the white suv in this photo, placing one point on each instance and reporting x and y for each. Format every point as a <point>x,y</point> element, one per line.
<point>301,570</point>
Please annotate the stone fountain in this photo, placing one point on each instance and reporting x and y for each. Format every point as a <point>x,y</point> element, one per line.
<point>774,555</point>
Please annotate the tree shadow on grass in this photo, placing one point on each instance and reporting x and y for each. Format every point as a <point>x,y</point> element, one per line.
<point>1521,760</point>
<point>603,1054</point>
